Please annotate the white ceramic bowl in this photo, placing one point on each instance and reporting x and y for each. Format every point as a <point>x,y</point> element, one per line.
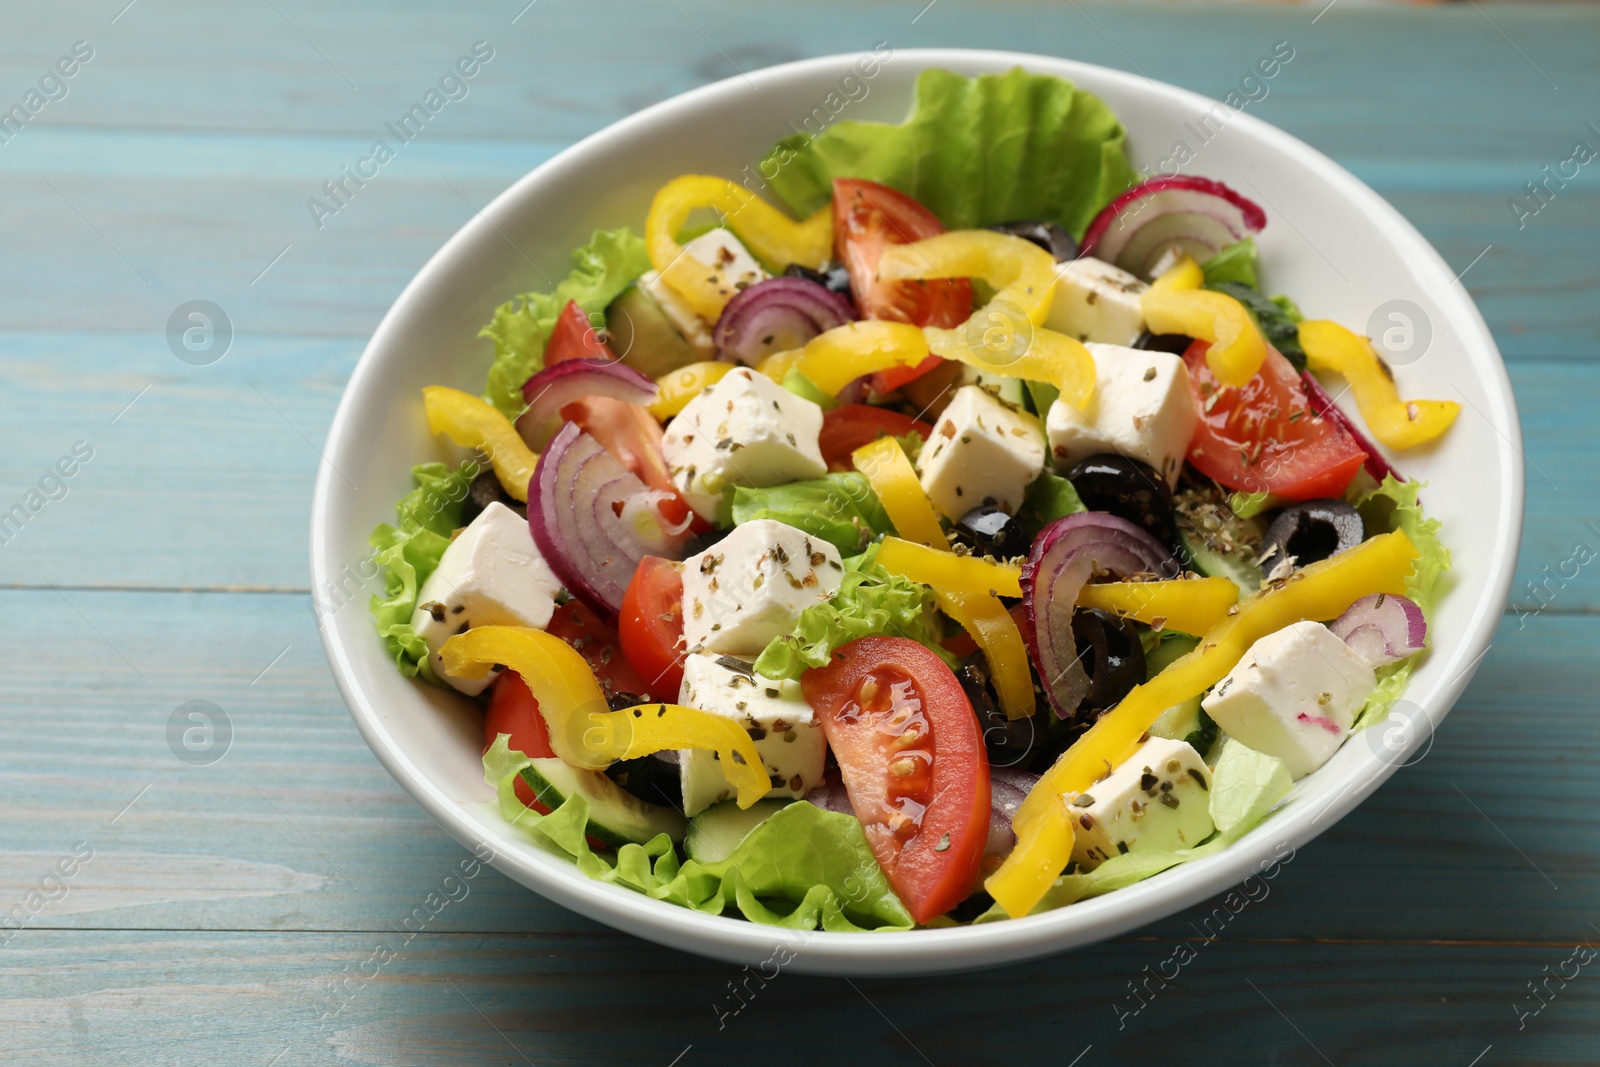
<point>1331,242</point>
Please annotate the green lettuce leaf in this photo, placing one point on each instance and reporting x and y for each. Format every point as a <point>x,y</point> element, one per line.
<point>521,326</point>
<point>801,869</point>
<point>1238,262</point>
<point>975,152</point>
<point>839,508</point>
<point>1394,506</point>
<point>1245,786</point>
<point>1049,498</point>
<point>870,601</point>
<point>410,552</point>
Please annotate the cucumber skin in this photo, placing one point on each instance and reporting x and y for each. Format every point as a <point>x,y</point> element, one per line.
<point>552,796</point>
<point>711,834</point>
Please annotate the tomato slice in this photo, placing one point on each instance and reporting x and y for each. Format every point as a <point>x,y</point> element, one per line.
<point>866,218</point>
<point>599,645</point>
<point>849,426</point>
<point>574,337</point>
<point>633,437</point>
<point>651,625</point>
<point>514,710</point>
<point>1263,436</point>
<point>913,762</point>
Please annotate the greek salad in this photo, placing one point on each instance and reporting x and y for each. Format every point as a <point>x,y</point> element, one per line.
<point>938,525</point>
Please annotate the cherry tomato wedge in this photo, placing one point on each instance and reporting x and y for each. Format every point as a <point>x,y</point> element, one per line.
<point>651,625</point>
<point>574,337</point>
<point>633,437</point>
<point>599,645</point>
<point>1263,436</point>
<point>867,217</point>
<point>513,710</point>
<point>913,762</point>
<point>849,426</point>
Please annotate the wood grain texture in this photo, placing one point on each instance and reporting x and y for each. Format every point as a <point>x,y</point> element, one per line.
<point>298,828</point>
<point>230,913</point>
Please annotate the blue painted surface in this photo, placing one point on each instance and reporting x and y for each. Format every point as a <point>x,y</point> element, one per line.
<point>246,912</point>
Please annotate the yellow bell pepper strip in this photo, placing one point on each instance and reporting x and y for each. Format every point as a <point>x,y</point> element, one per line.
<point>1332,349</point>
<point>946,570</point>
<point>676,388</point>
<point>990,624</point>
<point>835,358</point>
<point>895,482</point>
<point>1006,336</point>
<point>1174,305</point>
<point>1022,273</point>
<point>770,234</point>
<point>473,423</point>
<point>1320,591</point>
<point>1189,605</point>
<point>1184,274</point>
<point>583,730</point>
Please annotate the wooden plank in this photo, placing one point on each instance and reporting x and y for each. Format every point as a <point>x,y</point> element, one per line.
<point>217,163</point>
<point>205,480</point>
<point>377,999</point>
<point>297,827</point>
<point>140,217</point>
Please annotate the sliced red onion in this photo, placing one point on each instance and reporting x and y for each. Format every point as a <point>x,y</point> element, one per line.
<point>777,315</point>
<point>1065,556</point>
<point>581,509</point>
<point>1382,628</point>
<point>1008,788</point>
<point>831,796</point>
<point>553,388</point>
<point>1196,215</point>
<point>1322,404</point>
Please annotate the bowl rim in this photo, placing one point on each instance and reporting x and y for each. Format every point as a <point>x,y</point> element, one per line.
<point>967,947</point>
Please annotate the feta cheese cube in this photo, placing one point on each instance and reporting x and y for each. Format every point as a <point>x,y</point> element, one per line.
<point>1158,800</point>
<point>491,575</point>
<point>745,430</point>
<point>1294,695</point>
<point>727,261</point>
<point>982,449</point>
<point>1141,409</point>
<point>752,585</point>
<point>695,330</point>
<point>777,717</point>
<point>1095,301</point>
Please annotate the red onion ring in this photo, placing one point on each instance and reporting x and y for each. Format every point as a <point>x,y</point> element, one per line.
<point>1065,555</point>
<point>577,501</point>
<point>777,315</point>
<point>1199,215</point>
<point>1382,628</point>
<point>557,386</point>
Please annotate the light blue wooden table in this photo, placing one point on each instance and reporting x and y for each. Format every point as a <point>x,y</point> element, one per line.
<point>251,911</point>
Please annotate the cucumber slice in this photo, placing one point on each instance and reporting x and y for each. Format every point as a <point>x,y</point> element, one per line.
<point>616,816</point>
<point>717,831</point>
<point>646,338</point>
<point>1186,721</point>
<point>1239,567</point>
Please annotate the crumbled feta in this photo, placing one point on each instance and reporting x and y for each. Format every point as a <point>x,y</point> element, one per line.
<point>982,449</point>
<point>752,585</point>
<point>745,430</point>
<point>1141,408</point>
<point>775,714</point>
<point>1158,799</point>
<point>1095,301</point>
<point>491,575</point>
<point>1294,695</point>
